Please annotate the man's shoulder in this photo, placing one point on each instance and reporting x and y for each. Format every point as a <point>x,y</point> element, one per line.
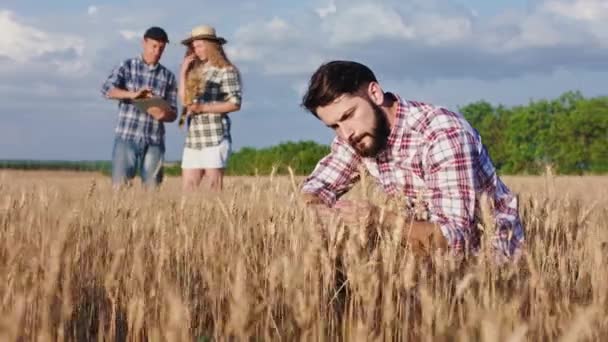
<point>129,62</point>
<point>417,113</point>
<point>419,106</point>
<point>343,150</point>
<point>166,71</point>
<point>428,110</point>
<point>429,118</point>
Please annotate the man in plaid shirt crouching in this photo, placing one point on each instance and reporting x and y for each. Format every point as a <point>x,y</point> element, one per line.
<point>414,151</point>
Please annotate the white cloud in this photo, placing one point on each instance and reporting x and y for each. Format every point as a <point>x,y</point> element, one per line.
<point>130,34</point>
<point>590,16</point>
<point>584,10</point>
<point>260,40</point>
<point>437,29</point>
<point>325,11</point>
<point>244,52</point>
<point>22,43</point>
<point>293,66</point>
<point>438,38</point>
<point>361,23</point>
<point>275,30</point>
<point>556,24</point>
<point>92,10</point>
<point>533,32</point>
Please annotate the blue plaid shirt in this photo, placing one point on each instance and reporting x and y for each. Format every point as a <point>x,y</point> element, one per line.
<point>133,75</point>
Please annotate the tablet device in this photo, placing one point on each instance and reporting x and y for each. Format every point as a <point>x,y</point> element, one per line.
<point>146,103</point>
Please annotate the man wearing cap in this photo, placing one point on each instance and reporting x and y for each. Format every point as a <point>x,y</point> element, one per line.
<point>139,142</point>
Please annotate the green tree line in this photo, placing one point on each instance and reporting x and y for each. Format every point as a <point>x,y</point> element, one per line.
<point>57,165</point>
<point>570,133</point>
<point>300,156</point>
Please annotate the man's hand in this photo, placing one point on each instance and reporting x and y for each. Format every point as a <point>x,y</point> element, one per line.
<point>356,212</point>
<point>351,212</point>
<point>422,238</point>
<point>141,94</point>
<point>310,199</point>
<point>122,94</point>
<point>162,114</point>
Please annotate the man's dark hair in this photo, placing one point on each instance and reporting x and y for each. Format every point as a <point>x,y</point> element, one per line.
<point>157,34</point>
<point>334,79</point>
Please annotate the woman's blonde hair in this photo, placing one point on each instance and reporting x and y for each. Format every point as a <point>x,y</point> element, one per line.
<point>216,55</point>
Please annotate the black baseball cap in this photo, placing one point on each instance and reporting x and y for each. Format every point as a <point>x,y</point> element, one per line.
<point>156,33</point>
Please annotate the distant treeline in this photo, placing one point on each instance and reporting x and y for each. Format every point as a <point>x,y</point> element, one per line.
<point>301,156</point>
<point>58,165</point>
<point>570,133</point>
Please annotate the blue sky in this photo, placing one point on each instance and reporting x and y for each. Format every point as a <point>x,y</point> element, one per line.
<point>54,57</point>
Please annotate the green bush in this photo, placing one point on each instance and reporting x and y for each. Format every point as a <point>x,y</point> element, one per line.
<point>302,157</point>
<point>570,133</point>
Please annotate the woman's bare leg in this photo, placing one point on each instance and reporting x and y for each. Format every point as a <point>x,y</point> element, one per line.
<point>215,179</point>
<point>191,178</point>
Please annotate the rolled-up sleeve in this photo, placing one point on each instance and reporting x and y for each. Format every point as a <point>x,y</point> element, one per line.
<point>510,236</point>
<point>116,79</point>
<point>231,86</point>
<point>449,166</point>
<point>335,174</point>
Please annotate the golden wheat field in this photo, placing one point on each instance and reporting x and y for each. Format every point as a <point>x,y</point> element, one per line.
<point>80,262</point>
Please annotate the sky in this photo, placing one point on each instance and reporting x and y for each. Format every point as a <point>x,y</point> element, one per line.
<point>55,55</point>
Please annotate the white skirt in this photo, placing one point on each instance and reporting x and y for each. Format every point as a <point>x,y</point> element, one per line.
<point>214,157</point>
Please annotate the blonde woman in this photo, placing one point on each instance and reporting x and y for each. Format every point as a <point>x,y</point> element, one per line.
<point>210,88</point>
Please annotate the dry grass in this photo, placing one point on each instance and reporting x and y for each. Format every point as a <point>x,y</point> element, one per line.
<point>80,262</point>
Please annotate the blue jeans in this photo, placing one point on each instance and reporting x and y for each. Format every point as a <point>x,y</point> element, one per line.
<point>129,156</point>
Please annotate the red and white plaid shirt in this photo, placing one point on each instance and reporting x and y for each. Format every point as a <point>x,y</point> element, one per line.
<point>436,154</point>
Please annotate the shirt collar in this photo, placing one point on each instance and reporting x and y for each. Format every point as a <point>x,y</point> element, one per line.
<point>150,67</point>
<point>398,123</point>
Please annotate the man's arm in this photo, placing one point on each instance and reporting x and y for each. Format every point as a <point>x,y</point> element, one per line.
<point>422,238</point>
<point>333,176</point>
<point>449,163</point>
<point>115,86</point>
<point>162,114</point>
<point>121,94</point>
<point>167,114</point>
<point>509,237</point>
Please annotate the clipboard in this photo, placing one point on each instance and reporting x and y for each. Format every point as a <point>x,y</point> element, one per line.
<point>146,103</point>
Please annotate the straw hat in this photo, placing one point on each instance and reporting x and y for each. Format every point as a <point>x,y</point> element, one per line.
<point>205,32</point>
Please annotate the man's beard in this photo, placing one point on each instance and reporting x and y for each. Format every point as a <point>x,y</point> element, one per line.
<point>379,135</point>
